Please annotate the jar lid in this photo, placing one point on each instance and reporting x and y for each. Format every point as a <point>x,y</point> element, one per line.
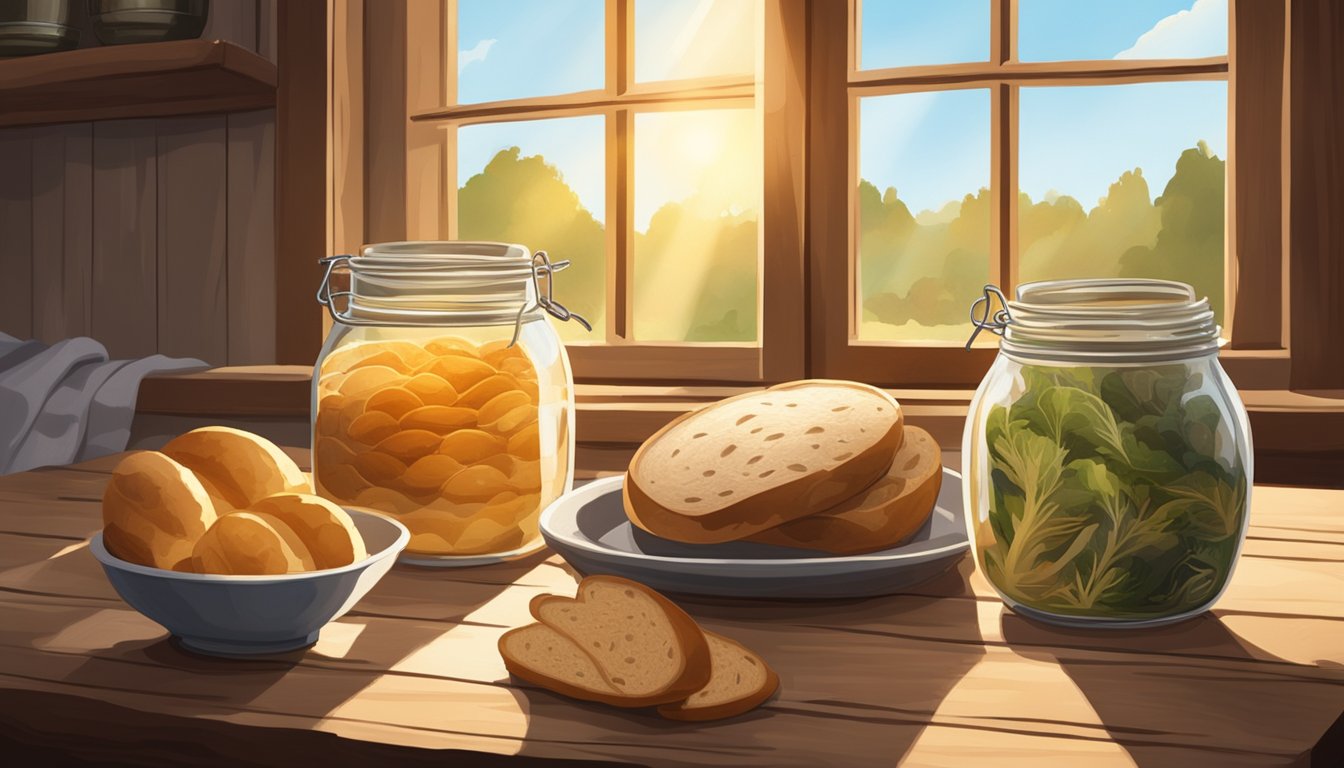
<point>432,282</point>
<point>1117,320</point>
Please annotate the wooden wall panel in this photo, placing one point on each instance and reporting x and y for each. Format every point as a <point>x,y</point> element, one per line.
<point>62,231</point>
<point>192,200</point>
<point>125,238</point>
<point>233,20</point>
<point>16,232</point>
<point>385,122</point>
<point>266,28</point>
<point>251,237</point>
<point>1316,226</point>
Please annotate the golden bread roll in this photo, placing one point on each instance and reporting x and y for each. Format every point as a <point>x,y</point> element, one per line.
<point>325,529</point>
<point>154,511</point>
<point>251,544</point>
<point>878,517</point>
<point>237,468</point>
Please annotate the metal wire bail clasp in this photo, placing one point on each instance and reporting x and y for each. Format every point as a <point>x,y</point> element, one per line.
<point>541,264</point>
<point>995,324</point>
<point>325,296</point>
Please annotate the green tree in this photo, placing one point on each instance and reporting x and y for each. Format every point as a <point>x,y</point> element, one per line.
<point>1189,246</point>
<point>525,200</point>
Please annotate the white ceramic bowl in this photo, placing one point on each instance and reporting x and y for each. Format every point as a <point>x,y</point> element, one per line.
<point>248,615</point>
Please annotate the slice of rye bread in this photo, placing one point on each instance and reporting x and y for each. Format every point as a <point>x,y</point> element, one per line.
<point>540,655</point>
<point>646,647</point>
<point>879,517</point>
<point>761,459</point>
<point>741,682</point>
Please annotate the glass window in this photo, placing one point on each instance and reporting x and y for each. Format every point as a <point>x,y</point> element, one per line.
<point>541,183</point>
<point>697,190</point>
<point>910,33</point>
<point>1124,181</point>
<point>1069,30</point>
<point>677,39</point>
<point>924,213</point>
<point>526,48</point>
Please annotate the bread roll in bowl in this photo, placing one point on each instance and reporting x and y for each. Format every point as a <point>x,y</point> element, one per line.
<point>154,511</point>
<point>251,544</point>
<point>237,468</point>
<point>326,530</point>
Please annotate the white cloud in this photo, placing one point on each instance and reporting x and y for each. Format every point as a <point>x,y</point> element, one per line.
<point>476,53</point>
<point>1198,32</point>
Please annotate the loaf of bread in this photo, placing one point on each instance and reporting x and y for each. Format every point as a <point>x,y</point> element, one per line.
<point>154,510</point>
<point>219,500</point>
<point>758,460</point>
<point>237,468</point>
<point>879,517</point>
<point>624,644</point>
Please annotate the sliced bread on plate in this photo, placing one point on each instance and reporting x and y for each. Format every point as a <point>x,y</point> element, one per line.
<point>741,681</point>
<point>758,460</point>
<point>646,648</point>
<point>880,517</point>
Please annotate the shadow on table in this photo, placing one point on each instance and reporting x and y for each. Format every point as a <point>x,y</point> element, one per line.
<point>859,681</point>
<point>1159,691</point>
<point>105,645</point>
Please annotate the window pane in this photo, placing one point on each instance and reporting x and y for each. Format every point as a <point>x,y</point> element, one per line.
<point>677,39</point>
<point>1067,30</point>
<point>910,33</point>
<point>924,213</point>
<point>1124,180</point>
<point>528,48</point>
<point>540,183</point>
<point>697,202</point>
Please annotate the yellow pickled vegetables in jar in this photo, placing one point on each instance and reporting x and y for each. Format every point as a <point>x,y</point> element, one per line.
<point>445,436</point>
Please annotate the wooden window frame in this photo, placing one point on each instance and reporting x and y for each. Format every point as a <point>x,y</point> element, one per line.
<point>432,116</point>
<point>1255,321</point>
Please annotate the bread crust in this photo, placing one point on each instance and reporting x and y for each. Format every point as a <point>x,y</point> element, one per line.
<point>809,494</point>
<point>695,666</point>
<point>864,524</point>
<point>154,511</point>
<point>728,708</point>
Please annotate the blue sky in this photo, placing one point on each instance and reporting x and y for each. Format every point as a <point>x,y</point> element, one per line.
<point>932,147</point>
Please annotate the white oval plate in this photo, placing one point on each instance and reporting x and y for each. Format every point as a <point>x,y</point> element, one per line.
<point>589,528</point>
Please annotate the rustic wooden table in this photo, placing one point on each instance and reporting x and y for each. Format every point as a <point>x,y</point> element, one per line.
<point>942,675</point>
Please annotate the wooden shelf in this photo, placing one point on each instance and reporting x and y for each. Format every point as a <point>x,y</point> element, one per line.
<point>119,81</point>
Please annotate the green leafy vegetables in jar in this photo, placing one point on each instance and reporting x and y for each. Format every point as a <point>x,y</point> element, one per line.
<point>1110,494</point>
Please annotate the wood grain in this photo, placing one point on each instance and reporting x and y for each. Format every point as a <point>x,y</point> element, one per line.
<point>125,237</point>
<point>251,237</point>
<point>192,170</point>
<point>62,233</point>
<point>16,232</point>
<point>938,675</point>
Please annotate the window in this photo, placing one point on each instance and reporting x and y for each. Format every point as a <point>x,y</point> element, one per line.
<point>1006,141</point>
<point>758,190</point>
<point>627,137</point>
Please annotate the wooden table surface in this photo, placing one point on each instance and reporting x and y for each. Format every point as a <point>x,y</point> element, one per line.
<point>942,675</point>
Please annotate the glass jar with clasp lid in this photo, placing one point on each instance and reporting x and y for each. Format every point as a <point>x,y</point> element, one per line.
<point>1107,456</point>
<point>443,396</point>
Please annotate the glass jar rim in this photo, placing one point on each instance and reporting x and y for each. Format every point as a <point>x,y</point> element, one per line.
<point>1108,320</point>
